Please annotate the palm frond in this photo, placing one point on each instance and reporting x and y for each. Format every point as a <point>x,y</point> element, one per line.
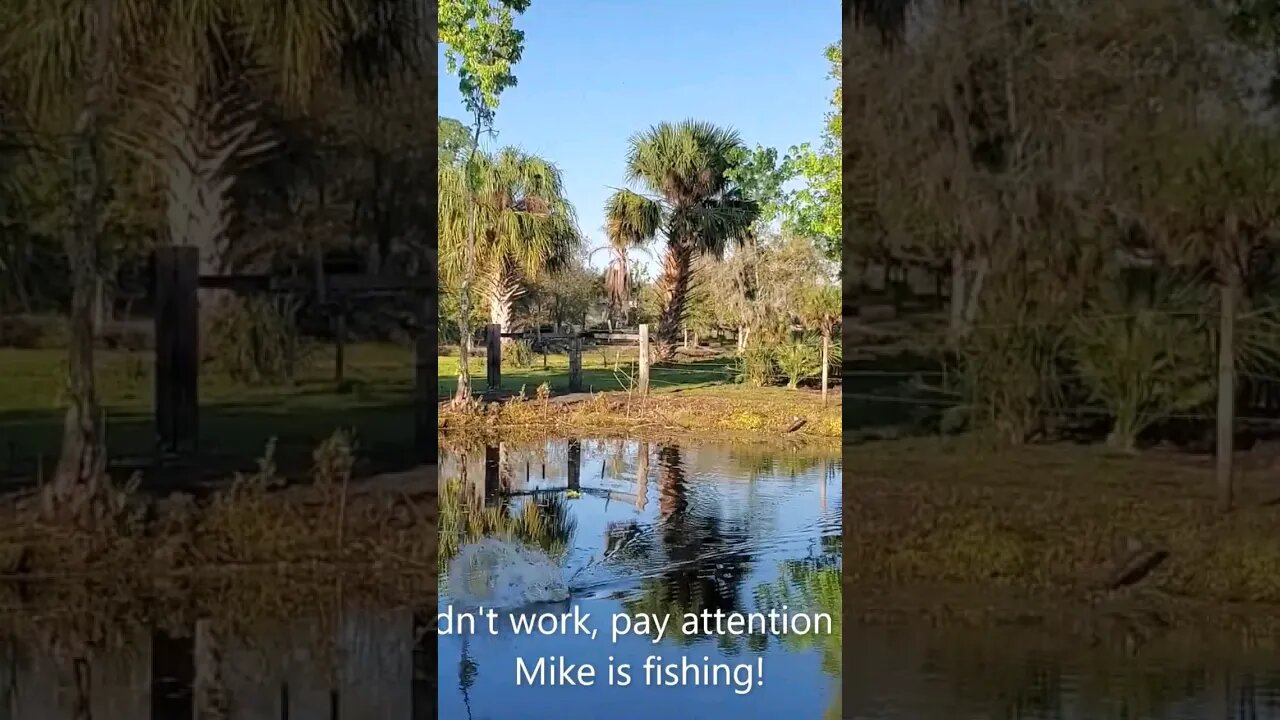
<point>523,216</point>
<point>631,219</point>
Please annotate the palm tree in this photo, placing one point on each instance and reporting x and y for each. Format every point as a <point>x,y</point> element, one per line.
<point>698,208</point>
<point>197,103</point>
<point>525,226</point>
<point>623,238</point>
<point>38,61</point>
<point>820,311</point>
<point>51,53</point>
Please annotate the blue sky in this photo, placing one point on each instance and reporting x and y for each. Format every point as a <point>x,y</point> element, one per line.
<point>596,71</point>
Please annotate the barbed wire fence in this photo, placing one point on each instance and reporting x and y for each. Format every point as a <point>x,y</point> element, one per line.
<point>922,387</point>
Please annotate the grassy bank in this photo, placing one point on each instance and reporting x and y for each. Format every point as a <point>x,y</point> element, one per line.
<point>718,412</point>
<point>604,369</point>
<point>236,419</point>
<point>1054,523</point>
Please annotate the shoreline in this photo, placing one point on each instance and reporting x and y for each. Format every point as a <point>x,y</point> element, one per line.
<point>1145,615</point>
<point>379,535</point>
<point>1054,529</point>
<point>772,415</point>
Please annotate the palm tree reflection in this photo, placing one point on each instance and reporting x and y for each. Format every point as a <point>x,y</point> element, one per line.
<point>688,584</point>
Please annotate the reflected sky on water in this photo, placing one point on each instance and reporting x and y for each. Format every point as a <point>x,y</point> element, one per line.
<point>663,529</point>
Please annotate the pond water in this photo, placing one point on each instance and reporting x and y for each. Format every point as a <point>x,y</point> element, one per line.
<point>346,663</point>
<point>664,529</point>
<point>1010,673</point>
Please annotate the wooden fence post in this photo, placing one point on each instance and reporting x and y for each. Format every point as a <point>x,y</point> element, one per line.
<point>644,359</point>
<point>575,365</point>
<point>493,356</point>
<point>177,347</point>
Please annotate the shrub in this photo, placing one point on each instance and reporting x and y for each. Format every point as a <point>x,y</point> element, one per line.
<point>798,361</point>
<point>1011,376</point>
<point>257,340</point>
<point>1143,367</point>
<point>518,354</point>
<point>132,337</point>
<point>33,332</point>
<point>756,366</point>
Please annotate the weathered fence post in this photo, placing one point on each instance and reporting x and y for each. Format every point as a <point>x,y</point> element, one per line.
<point>575,365</point>
<point>493,356</point>
<point>644,359</point>
<point>177,347</point>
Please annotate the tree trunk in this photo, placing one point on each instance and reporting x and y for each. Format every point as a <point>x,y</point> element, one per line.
<point>744,332</point>
<point>672,491</point>
<point>503,289</point>
<point>100,305</point>
<point>463,392</point>
<point>980,268</point>
<point>82,704</point>
<point>955,326</point>
<point>673,289</point>
<point>209,693</point>
<point>77,483</point>
<point>200,180</point>
<point>826,364</point>
<point>1229,294</point>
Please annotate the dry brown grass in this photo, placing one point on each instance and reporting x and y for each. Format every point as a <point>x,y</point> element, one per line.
<point>327,528</point>
<point>248,559</point>
<point>760,414</point>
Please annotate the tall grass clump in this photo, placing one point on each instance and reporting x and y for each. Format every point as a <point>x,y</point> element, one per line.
<point>757,366</point>
<point>1143,364</point>
<point>798,360</point>
<point>257,341</point>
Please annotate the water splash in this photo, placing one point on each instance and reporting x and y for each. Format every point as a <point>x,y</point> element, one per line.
<point>504,574</point>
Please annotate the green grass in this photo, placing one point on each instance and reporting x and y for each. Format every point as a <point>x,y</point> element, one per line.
<point>236,419</point>
<point>1053,519</point>
<point>598,374</point>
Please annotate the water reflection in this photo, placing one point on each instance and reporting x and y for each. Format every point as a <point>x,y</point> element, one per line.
<point>1056,674</point>
<point>665,529</point>
<point>358,664</point>
<point>500,508</point>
